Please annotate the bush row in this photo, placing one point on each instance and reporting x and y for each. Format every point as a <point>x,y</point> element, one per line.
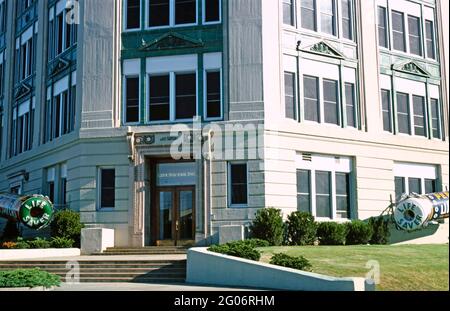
<point>302,229</point>
<point>28,278</point>
<point>38,243</point>
<point>247,249</point>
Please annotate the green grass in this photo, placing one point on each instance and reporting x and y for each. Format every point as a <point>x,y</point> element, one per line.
<point>403,267</point>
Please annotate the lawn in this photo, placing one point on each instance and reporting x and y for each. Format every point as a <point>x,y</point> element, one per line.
<point>402,267</point>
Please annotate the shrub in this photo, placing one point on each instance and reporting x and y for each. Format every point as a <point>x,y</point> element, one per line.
<point>28,278</point>
<point>39,243</point>
<point>331,233</point>
<point>60,242</point>
<point>9,245</point>
<point>10,231</point>
<point>22,244</point>
<point>301,229</point>
<point>380,230</point>
<point>268,225</point>
<point>358,232</point>
<point>66,224</point>
<point>299,263</point>
<point>254,243</point>
<point>237,249</point>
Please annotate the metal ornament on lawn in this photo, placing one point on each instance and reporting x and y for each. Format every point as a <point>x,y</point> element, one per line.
<point>34,211</point>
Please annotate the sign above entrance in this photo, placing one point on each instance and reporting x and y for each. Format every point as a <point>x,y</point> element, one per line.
<point>176,174</point>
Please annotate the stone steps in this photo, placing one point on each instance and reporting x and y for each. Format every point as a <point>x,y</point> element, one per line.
<point>142,271</point>
<point>151,250</point>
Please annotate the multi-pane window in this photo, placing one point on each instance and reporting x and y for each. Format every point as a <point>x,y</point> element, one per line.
<point>289,94</point>
<point>311,98</point>
<point>133,14</point>
<point>398,31</point>
<point>238,184</point>
<point>429,39</point>
<point>419,116</point>
<point>304,191</point>
<point>25,56</point>
<point>308,14</point>
<point>107,188</point>
<point>22,127</point>
<point>60,108</point>
<point>170,13</point>
<point>2,16</point>
<point>387,110</point>
<point>347,20</point>
<point>212,11</point>
<point>415,38</point>
<point>328,17</point>
<point>50,186</point>
<point>330,101</point>
<point>132,99</point>
<point>350,104</point>
<point>62,31</point>
<point>323,186</point>
<point>23,5</point>
<point>213,94</point>
<point>289,12</point>
<point>435,118</point>
<point>383,33</point>
<point>159,98</point>
<point>403,113</point>
<point>185,95</point>
<point>415,178</point>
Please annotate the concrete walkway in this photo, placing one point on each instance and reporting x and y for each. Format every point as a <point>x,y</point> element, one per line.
<point>112,258</point>
<point>143,287</point>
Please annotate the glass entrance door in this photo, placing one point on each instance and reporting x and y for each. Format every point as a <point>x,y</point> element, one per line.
<point>176,225</point>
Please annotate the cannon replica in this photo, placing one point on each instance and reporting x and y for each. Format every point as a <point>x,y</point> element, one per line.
<point>414,211</point>
<point>34,211</point>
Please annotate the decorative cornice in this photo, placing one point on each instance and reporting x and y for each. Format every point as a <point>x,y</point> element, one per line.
<point>170,41</point>
<point>411,67</point>
<point>23,90</point>
<point>59,66</point>
<point>145,140</point>
<point>323,48</point>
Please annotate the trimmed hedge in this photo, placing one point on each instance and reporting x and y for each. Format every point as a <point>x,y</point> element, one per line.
<point>331,233</point>
<point>299,263</point>
<point>242,249</point>
<point>301,229</point>
<point>358,232</point>
<point>66,224</point>
<point>268,225</point>
<point>380,230</point>
<point>28,278</point>
<point>38,243</point>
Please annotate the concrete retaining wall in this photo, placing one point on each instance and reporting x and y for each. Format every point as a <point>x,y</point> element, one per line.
<point>24,254</point>
<point>204,267</point>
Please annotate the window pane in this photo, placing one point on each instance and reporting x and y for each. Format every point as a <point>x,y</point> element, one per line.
<point>327,16</point>
<point>342,195</point>
<point>398,30</point>
<point>159,13</point>
<point>419,116</point>
<point>323,194</point>
<point>212,10</point>
<point>238,176</point>
<point>289,94</point>
<point>435,118</point>
<point>288,12</point>
<point>350,104</point>
<point>311,91</point>
<point>382,27</point>
<point>415,41</point>
<point>386,107</point>
<point>330,99</point>
<point>132,99</point>
<point>429,29</point>
<point>308,14</point>
<point>159,98</point>
<point>186,96</point>
<point>347,19</point>
<point>185,11</point>
<point>399,187</point>
<point>304,191</point>
<point>430,186</point>
<point>108,181</point>
<point>213,94</point>
<point>133,14</point>
<point>415,185</point>
<point>403,113</point>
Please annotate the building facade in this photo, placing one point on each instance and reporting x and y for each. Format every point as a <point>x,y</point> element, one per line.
<point>171,120</point>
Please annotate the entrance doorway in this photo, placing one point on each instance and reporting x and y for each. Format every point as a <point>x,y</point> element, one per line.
<point>175,216</point>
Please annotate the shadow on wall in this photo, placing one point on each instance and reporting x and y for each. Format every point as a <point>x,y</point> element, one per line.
<point>26,232</point>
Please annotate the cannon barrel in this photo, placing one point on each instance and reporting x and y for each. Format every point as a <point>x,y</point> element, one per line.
<point>415,211</point>
<point>34,211</point>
